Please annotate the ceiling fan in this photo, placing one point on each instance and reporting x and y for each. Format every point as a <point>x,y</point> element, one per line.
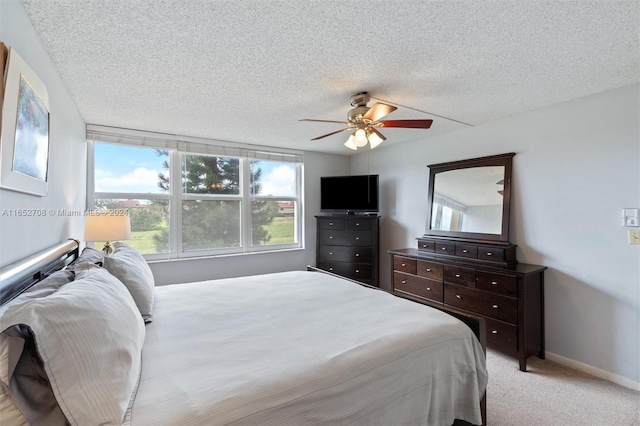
<point>365,121</point>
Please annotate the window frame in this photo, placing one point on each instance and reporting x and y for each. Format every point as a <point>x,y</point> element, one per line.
<point>176,196</point>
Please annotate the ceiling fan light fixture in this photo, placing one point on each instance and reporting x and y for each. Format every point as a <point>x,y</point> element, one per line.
<point>360,138</point>
<point>349,143</point>
<point>374,140</point>
<point>363,121</point>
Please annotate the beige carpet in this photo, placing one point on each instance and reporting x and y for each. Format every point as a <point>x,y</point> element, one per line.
<point>552,394</point>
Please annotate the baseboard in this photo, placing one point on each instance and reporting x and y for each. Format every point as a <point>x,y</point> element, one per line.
<point>594,371</point>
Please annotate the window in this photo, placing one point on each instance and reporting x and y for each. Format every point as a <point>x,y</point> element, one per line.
<point>134,179</point>
<point>186,199</point>
<point>447,214</point>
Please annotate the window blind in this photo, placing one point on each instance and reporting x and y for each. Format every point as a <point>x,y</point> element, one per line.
<point>190,144</point>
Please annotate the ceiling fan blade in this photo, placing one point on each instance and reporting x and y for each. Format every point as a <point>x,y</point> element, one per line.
<point>325,121</point>
<point>378,110</point>
<point>332,133</point>
<point>409,124</point>
<point>374,130</point>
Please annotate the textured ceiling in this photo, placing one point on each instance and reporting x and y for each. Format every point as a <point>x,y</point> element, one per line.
<point>247,71</point>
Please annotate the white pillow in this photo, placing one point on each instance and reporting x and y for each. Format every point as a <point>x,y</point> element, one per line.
<point>11,347</point>
<point>89,335</point>
<point>129,266</point>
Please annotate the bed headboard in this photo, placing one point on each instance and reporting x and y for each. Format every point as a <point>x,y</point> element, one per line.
<point>17,277</point>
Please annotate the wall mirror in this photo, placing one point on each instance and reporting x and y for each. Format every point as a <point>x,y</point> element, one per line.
<point>470,199</point>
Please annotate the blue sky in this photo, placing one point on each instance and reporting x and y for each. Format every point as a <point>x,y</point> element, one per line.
<point>132,169</point>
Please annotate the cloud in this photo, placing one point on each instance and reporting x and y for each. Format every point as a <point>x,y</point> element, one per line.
<point>139,180</point>
<point>280,181</point>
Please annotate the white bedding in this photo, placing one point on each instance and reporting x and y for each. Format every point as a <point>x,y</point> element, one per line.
<point>298,348</point>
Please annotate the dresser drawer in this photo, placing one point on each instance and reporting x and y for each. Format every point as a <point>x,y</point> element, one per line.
<point>491,253</point>
<point>497,283</point>
<point>460,275</point>
<point>482,302</point>
<point>404,264</point>
<point>344,254</point>
<point>502,334</point>
<point>425,245</point>
<point>430,270</point>
<point>356,271</point>
<point>466,250</point>
<point>417,286</point>
<point>357,225</point>
<point>330,223</point>
<point>345,238</point>
<point>445,248</point>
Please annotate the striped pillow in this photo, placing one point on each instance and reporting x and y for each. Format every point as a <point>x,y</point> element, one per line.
<point>129,266</point>
<point>89,335</point>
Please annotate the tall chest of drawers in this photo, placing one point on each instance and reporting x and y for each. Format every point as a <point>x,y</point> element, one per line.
<point>347,245</point>
<point>510,297</point>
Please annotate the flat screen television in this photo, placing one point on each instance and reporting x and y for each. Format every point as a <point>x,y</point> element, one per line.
<point>349,194</point>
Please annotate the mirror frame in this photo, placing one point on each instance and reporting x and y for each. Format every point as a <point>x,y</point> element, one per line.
<point>494,160</point>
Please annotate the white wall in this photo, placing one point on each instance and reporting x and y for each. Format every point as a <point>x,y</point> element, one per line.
<point>188,270</point>
<point>577,165</point>
<point>22,236</point>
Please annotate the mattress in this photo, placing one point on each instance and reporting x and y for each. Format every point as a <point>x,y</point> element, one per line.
<point>298,348</point>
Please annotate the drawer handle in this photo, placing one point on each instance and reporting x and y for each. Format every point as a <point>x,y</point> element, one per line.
<point>428,288</point>
<point>495,306</point>
<point>331,237</point>
<point>330,252</point>
<point>357,270</point>
<point>465,251</point>
<point>428,269</point>
<point>494,283</point>
<point>357,224</point>
<point>444,248</point>
<point>489,253</point>
<point>357,254</point>
<point>424,245</point>
<point>458,296</point>
<point>404,264</point>
<point>331,269</point>
<point>404,281</point>
<point>330,223</point>
<point>457,275</point>
<point>494,331</point>
<point>357,238</point>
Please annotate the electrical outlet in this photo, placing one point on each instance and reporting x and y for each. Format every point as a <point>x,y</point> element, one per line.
<point>634,236</point>
<point>630,217</point>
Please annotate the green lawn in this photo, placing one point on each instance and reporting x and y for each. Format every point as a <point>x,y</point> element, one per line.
<point>281,231</point>
<point>143,241</point>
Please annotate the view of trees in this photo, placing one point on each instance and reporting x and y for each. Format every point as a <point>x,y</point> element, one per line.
<point>215,207</point>
<point>210,223</point>
<point>207,223</point>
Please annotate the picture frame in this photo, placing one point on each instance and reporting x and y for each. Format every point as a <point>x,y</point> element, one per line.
<point>24,136</point>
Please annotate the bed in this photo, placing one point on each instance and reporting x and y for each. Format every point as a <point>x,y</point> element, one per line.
<point>290,348</point>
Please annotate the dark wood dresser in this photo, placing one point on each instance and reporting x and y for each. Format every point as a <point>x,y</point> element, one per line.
<point>483,279</point>
<point>347,245</point>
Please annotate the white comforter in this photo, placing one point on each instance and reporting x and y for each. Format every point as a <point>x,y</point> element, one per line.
<point>299,348</point>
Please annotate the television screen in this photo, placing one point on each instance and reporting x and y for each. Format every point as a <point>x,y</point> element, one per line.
<point>347,194</point>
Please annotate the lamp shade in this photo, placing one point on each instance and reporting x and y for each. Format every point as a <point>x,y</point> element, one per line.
<point>374,140</point>
<point>360,138</point>
<point>349,143</point>
<point>107,227</point>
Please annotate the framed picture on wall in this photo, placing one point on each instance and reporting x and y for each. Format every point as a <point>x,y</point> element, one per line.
<point>4,52</point>
<point>24,143</point>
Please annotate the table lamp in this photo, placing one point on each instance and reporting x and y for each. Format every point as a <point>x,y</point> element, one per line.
<point>107,227</point>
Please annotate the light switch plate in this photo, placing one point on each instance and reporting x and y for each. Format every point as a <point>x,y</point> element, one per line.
<point>634,236</point>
